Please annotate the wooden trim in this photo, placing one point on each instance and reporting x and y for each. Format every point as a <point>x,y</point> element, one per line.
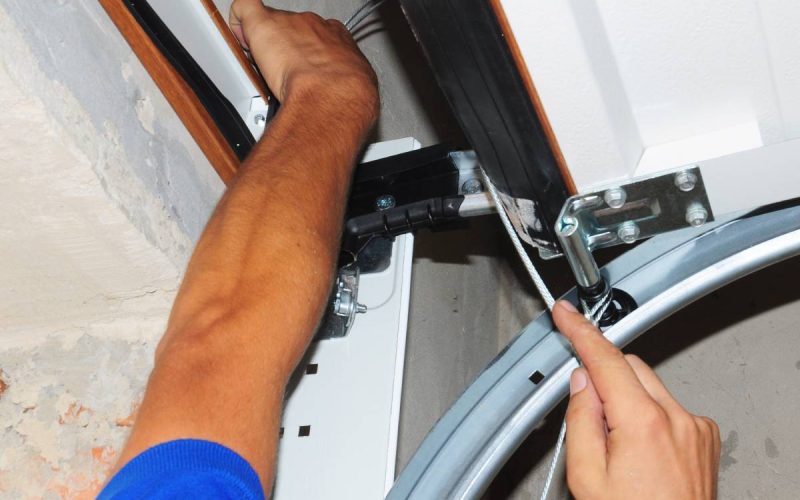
<point>516,54</point>
<point>236,48</point>
<point>178,93</point>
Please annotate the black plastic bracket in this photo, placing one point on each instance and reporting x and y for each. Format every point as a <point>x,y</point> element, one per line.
<point>400,194</point>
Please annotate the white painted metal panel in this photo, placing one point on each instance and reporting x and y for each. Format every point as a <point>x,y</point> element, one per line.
<point>194,28</point>
<point>352,402</point>
<point>636,87</point>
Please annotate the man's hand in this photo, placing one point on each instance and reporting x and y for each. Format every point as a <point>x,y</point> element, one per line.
<point>627,437</point>
<point>300,52</point>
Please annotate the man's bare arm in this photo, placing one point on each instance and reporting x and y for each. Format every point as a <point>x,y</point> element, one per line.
<point>256,285</point>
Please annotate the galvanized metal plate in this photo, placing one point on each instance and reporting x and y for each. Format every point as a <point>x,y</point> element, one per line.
<point>640,209</point>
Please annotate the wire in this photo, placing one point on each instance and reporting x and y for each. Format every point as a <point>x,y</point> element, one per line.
<point>593,314</point>
<point>362,13</point>
<point>356,13</point>
<point>541,286</point>
<point>554,462</point>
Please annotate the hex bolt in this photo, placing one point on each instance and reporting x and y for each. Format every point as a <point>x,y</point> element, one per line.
<point>385,202</point>
<point>472,186</point>
<point>696,214</point>
<point>260,120</point>
<point>628,232</point>
<point>615,197</point>
<point>685,181</point>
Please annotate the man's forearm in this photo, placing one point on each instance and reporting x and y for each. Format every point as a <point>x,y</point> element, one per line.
<point>274,237</point>
<point>256,285</point>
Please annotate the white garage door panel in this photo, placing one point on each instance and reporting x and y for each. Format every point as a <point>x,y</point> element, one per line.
<point>666,83</point>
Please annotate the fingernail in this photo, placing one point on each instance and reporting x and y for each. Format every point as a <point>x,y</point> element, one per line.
<point>577,381</point>
<point>567,305</point>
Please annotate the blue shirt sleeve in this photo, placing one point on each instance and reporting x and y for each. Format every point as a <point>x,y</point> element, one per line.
<point>185,468</point>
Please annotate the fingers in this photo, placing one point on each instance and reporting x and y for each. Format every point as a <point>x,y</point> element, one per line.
<point>586,433</point>
<point>653,385</point>
<point>615,381</point>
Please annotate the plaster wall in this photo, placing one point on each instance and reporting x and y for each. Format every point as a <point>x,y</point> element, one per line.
<point>84,294</point>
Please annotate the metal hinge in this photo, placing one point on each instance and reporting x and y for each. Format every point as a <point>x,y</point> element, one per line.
<point>626,213</point>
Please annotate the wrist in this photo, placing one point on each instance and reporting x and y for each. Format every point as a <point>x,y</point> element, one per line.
<point>351,100</point>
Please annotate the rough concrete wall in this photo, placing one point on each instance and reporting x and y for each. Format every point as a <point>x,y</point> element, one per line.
<point>83,301</point>
<point>103,193</point>
<point>71,56</point>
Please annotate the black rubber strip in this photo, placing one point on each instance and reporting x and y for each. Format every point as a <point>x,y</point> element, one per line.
<point>222,112</point>
<point>472,62</point>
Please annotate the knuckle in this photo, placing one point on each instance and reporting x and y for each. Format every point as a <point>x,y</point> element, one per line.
<point>336,24</point>
<point>310,17</point>
<point>686,426</point>
<point>653,419</point>
<point>711,427</point>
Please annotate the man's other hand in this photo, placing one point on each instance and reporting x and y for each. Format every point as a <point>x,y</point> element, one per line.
<point>627,437</point>
<point>300,53</point>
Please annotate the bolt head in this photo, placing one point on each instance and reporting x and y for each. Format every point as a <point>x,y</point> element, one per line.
<point>696,214</point>
<point>472,186</point>
<point>615,197</point>
<point>685,181</point>
<point>628,232</point>
<point>385,202</point>
<point>260,120</point>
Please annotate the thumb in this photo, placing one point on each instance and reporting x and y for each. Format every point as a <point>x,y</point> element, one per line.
<point>586,436</point>
<point>240,10</point>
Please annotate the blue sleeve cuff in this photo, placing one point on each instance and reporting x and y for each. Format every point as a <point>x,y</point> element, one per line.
<point>184,468</point>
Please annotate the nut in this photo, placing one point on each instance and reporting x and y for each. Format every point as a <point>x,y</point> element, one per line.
<point>628,232</point>
<point>385,202</point>
<point>685,181</point>
<point>472,186</point>
<point>696,214</point>
<point>615,197</point>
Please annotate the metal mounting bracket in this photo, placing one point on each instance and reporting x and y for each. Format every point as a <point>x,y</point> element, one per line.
<point>343,305</point>
<point>626,213</point>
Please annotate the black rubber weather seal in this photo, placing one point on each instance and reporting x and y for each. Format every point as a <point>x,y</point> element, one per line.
<point>224,114</point>
<point>471,59</point>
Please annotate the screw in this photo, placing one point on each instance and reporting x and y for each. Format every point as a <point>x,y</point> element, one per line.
<point>685,181</point>
<point>260,120</point>
<point>628,232</point>
<point>472,186</point>
<point>696,214</point>
<point>385,202</point>
<point>361,308</point>
<point>615,197</point>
